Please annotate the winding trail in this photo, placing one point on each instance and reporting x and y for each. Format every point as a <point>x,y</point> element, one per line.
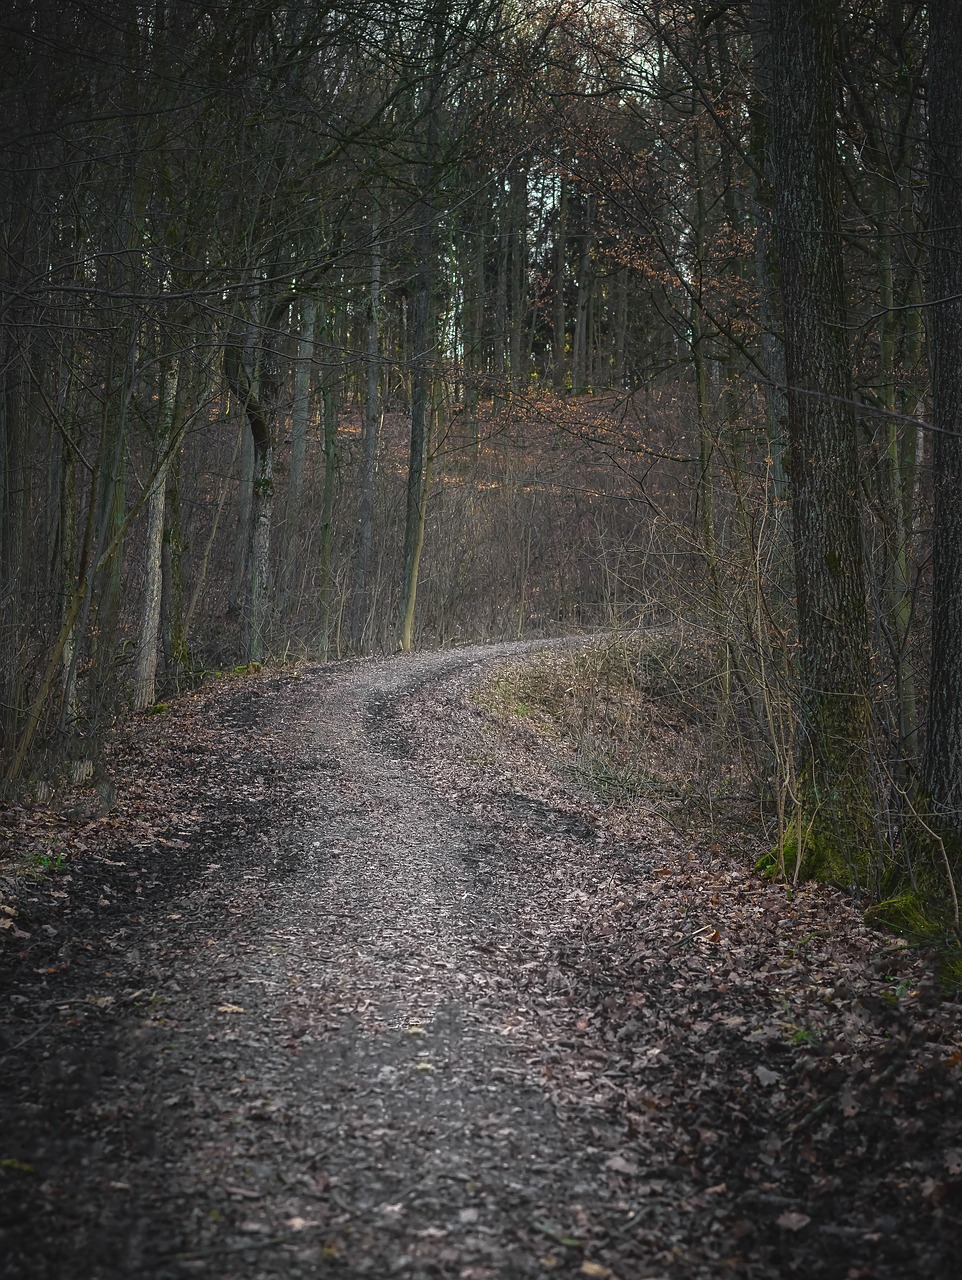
<point>334,1072</point>
<point>354,982</point>
<point>405,1131</point>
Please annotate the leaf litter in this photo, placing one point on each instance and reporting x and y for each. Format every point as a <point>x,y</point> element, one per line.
<point>354,980</point>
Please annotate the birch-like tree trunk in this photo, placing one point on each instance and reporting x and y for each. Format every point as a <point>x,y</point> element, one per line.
<point>145,674</point>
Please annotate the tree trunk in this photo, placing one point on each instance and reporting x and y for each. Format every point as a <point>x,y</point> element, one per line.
<point>579,352</point>
<point>242,535</point>
<point>501,291</point>
<point>416,489</point>
<point>258,409</point>
<point>762,196</point>
<point>518,209</point>
<point>407,622</point>
<point>327,519</point>
<point>559,352</point>
<point>146,670</point>
<point>370,431</point>
<point>835,831</point>
<point>262,511</point>
<point>943,757</point>
<point>474,353</point>
<point>300,412</point>
<point>421,359</point>
<point>898,531</point>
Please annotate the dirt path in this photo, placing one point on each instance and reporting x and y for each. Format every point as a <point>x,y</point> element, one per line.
<point>371,1017</point>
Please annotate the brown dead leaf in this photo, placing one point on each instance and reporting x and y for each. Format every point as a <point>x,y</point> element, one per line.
<point>791,1221</point>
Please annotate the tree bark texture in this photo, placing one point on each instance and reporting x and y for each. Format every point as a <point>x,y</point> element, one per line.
<point>943,760</point>
<point>422,355</point>
<point>559,354</point>
<point>258,409</point>
<point>835,829</point>
<point>370,431</point>
<point>145,674</point>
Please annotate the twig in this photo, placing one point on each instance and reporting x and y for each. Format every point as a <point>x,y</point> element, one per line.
<point>217,1249</point>
<point>26,1040</point>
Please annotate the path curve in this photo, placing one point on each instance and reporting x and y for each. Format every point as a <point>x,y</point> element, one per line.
<point>341,1081</point>
<point>353,982</point>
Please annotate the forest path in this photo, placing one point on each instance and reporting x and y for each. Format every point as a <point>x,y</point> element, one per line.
<point>327,1065</point>
<point>388,997</point>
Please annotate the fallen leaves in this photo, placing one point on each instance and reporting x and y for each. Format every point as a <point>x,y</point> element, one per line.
<point>792,1221</point>
<point>740,1078</point>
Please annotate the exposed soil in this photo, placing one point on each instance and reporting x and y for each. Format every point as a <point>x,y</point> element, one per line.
<point>352,981</point>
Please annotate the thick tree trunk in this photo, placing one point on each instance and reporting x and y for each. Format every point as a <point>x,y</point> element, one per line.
<point>943,757</point>
<point>762,196</point>
<point>835,834</point>
<point>896,512</point>
<point>13,493</point>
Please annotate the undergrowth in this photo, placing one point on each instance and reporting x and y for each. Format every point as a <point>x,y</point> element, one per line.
<point>643,718</point>
<point>640,715</point>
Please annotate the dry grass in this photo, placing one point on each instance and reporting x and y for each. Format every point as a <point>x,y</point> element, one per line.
<point>639,716</point>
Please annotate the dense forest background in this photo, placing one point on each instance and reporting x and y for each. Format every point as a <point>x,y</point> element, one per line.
<point>327,330</point>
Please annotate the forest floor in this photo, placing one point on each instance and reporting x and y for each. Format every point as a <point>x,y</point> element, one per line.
<point>352,979</point>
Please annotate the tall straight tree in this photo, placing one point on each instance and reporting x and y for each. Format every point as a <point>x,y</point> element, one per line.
<point>422,359</point>
<point>943,760</point>
<point>834,828</point>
